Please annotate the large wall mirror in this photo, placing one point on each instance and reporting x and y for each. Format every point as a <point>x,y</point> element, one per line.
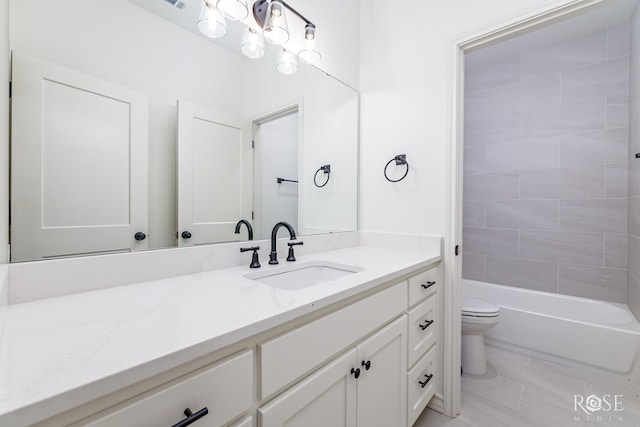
<point>131,131</point>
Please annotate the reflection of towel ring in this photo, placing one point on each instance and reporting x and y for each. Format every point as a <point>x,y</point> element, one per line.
<point>326,169</point>
<point>400,159</point>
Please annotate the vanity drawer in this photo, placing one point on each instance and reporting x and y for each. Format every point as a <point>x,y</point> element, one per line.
<point>225,389</point>
<point>422,285</point>
<point>288,357</point>
<point>421,385</point>
<point>422,329</point>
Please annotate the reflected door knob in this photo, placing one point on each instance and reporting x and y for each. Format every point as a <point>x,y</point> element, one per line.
<point>140,236</point>
<point>186,235</point>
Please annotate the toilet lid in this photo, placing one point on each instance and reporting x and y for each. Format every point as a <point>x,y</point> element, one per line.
<point>478,307</point>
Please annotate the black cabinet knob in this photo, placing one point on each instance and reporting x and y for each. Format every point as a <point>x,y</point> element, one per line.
<point>356,372</point>
<point>186,235</point>
<point>139,236</point>
<point>367,365</point>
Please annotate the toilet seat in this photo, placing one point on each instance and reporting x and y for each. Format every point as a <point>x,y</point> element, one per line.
<point>473,307</point>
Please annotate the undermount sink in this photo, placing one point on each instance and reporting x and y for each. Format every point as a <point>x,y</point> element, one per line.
<point>304,275</point>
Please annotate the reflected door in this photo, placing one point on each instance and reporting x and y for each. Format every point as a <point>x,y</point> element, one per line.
<point>79,163</point>
<point>277,172</point>
<point>209,175</point>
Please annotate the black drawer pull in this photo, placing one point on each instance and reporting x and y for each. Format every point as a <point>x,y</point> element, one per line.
<point>424,383</point>
<point>367,365</point>
<point>356,372</point>
<point>426,325</point>
<point>191,417</point>
<point>428,285</point>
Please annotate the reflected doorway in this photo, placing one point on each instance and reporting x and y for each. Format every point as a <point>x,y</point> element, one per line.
<point>276,139</point>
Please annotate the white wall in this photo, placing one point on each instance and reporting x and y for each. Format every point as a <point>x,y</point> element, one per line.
<point>338,31</point>
<point>4,130</point>
<point>406,73</point>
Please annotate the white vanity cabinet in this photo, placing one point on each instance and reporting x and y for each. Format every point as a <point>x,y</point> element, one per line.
<point>370,361</point>
<point>287,358</point>
<point>422,338</point>
<point>363,387</point>
<point>225,389</point>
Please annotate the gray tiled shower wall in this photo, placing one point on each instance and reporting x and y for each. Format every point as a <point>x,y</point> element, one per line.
<point>633,291</point>
<point>546,185</point>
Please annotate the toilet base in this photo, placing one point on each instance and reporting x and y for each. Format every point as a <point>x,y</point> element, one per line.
<point>474,359</point>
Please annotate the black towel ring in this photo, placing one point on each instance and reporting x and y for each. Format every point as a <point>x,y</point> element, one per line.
<point>326,169</point>
<point>400,159</point>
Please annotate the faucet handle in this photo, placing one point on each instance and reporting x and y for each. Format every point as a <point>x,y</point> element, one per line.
<point>291,256</point>
<point>255,262</point>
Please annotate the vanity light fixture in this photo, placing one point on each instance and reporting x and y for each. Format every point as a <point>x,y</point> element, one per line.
<point>252,44</point>
<point>211,23</point>
<point>287,62</point>
<point>309,54</point>
<point>234,9</point>
<point>275,28</point>
<point>264,16</point>
<point>271,17</point>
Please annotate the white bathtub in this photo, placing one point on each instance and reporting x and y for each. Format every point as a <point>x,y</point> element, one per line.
<point>596,336</point>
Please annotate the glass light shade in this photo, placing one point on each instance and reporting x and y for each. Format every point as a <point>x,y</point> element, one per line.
<point>252,44</point>
<point>276,30</point>
<point>234,9</point>
<point>309,54</point>
<point>211,23</point>
<point>287,63</point>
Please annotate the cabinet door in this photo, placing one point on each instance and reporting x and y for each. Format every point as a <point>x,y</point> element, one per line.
<point>210,181</point>
<point>382,387</point>
<point>79,163</point>
<point>326,398</point>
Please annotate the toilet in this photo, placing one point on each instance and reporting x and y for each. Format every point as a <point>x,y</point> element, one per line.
<point>477,317</point>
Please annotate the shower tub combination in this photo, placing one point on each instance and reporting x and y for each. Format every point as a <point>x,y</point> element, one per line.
<point>595,336</point>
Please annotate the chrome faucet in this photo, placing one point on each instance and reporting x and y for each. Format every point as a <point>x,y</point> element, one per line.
<point>249,228</point>
<point>273,255</point>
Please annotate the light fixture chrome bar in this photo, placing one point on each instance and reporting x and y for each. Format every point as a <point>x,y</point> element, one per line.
<point>260,12</point>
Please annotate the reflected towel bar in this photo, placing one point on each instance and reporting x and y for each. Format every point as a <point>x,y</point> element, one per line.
<point>281,180</point>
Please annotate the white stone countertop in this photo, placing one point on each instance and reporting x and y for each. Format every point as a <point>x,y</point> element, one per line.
<point>59,353</point>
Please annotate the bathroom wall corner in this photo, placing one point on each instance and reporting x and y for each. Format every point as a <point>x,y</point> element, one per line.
<point>633,276</point>
<point>4,125</point>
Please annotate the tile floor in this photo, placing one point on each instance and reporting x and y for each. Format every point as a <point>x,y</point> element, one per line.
<point>523,391</point>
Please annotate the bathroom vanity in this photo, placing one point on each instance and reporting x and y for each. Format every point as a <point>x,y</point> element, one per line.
<point>360,349</point>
